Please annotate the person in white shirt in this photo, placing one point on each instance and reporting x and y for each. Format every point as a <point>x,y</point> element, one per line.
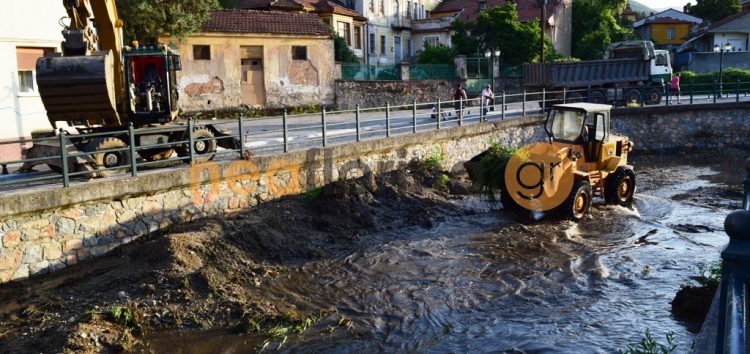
<point>487,98</point>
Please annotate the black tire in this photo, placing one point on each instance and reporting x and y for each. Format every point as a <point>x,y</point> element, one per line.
<point>204,146</point>
<point>653,95</point>
<point>507,201</point>
<point>633,95</point>
<point>619,187</point>
<point>103,162</point>
<point>598,96</point>
<point>579,201</point>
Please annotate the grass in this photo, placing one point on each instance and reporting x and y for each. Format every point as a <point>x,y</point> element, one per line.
<point>648,345</point>
<point>708,275</point>
<point>434,162</point>
<point>313,195</point>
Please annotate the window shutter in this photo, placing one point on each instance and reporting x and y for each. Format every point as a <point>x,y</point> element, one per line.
<point>27,57</point>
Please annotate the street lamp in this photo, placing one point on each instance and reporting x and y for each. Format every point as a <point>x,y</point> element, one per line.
<point>491,55</point>
<point>721,50</point>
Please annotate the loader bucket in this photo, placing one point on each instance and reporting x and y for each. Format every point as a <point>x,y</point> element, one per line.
<point>78,89</point>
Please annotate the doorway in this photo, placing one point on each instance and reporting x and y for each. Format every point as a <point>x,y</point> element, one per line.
<point>252,83</point>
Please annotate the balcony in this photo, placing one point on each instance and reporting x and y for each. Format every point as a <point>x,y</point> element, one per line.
<point>401,23</point>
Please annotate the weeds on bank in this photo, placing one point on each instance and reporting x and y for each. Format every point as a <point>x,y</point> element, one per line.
<point>313,195</point>
<point>489,175</point>
<point>648,345</point>
<point>708,275</point>
<point>434,162</point>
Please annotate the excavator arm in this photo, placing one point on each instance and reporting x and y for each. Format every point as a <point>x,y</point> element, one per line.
<point>84,85</point>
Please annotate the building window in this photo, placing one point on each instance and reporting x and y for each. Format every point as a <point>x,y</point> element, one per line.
<point>327,22</point>
<point>432,41</point>
<point>344,32</point>
<point>25,81</point>
<point>357,37</point>
<point>382,7</point>
<point>299,52</point>
<point>372,6</point>
<point>670,33</point>
<point>201,52</point>
<point>382,45</point>
<point>408,9</point>
<point>409,47</point>
<point>372,43</point>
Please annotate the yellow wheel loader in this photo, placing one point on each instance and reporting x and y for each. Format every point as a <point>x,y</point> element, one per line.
<point>583,159</point>
<point>99,86</point>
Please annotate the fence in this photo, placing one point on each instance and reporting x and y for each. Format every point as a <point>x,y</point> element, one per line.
<point>75,158</point>
<point>365,72</point>
<point>733,336</point>
<point>432,72</point>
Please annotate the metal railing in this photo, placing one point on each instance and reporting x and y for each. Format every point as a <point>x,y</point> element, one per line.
<point>732,335</point>
<point>66,152</point>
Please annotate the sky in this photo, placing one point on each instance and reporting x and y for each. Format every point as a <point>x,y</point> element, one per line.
<point>663,4</point>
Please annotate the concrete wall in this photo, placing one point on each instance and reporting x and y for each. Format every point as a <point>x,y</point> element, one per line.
<point>50,229</point>
<point>379,93</point>
<point>22,112</point>
<point>709,62</point>
<point>215,83</point>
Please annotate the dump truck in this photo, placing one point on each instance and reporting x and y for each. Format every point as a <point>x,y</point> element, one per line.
<point>582,159</point>
<point>97,85</point>
<point>631,72</point>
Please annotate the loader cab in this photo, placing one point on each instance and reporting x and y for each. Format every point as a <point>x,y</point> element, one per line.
<point>583,124</point>
<point>151,90</point>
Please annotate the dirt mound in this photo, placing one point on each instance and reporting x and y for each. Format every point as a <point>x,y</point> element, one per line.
<point>691,305</point>
<point>206,274</point>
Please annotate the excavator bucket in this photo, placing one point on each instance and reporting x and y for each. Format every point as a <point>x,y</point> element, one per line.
<point>78,89</point>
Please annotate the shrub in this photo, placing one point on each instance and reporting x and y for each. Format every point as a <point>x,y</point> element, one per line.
<point>490,173</point>
<point>705,81</point>
<point>648,345</point>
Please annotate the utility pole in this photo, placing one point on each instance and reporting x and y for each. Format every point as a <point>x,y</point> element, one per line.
<point>542,22</point>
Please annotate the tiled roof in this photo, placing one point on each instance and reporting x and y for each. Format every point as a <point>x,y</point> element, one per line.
<point>528,10</point>
<point>318,6</point>
<point>727,19</point>
<point>275,22</point>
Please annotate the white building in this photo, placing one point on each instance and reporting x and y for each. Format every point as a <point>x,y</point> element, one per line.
<point>28,29</point>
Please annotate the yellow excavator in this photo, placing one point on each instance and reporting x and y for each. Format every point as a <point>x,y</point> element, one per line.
<point>97,85</point>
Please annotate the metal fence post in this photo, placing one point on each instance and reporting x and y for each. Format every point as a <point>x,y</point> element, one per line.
<point>667,93</point>
<point>241,137</point>
<point>387,119</point>
<point>323,126</point>
<point>285,128</point>
<point>523,107</point>
<point>715,90</point>
<point>502,109</point>
<point>357,123</point>
<point>737,92</point>
<point>565,95</point>
<point>414,117</point>
<point>544,99</point>
<point>133,164</point>
<point>64,158</point>
<point>460,111</point>
<point>588,93</point>
<point>642,98</point>
<point>439,115</point>
<point>733,299</point>
<point>691,92</point>
<point>191,143</point>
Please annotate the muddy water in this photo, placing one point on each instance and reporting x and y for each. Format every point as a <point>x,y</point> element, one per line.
<point>482,281</point>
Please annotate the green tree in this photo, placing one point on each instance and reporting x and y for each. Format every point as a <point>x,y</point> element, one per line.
<point>229,4</point>
<point>714,10</point>
<point>342,52</point>
<point>596,26</point>
<point>499,27</point>
<point>438,54</point>
<point>146,20</point>
<point>463,42</point>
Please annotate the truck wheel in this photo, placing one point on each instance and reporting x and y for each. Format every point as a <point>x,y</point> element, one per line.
<point>155,154</point>
<point>598,96</point>
<point>578,203</point>
<point>620,187</point>
<point>653,95</point>
<point>106,162</point>
<point>204,146</point>
<point>633,95</point>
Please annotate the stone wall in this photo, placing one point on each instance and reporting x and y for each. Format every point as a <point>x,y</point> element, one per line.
<point>704,126</point>
<point>49,229</point>
<point>380,93</point>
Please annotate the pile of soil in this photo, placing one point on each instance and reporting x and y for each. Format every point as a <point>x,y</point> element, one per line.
<point>208,274</point>
<point>692,303</point>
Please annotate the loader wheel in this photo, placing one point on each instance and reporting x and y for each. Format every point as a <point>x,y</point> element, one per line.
<point>103,162</point>
<point>204,146</point>
<point>507,201</point>
<point>578,203</point>
<point>620,187</point>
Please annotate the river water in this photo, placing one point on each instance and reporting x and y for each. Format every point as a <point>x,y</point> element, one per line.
<point>482,281</point>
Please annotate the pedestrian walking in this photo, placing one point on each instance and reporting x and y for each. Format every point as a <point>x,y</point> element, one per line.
<point>675,86</point>
<point>459,95</point>
<point>488,98</point>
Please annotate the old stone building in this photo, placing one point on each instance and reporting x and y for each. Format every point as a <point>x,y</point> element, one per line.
<point>257,58</point>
